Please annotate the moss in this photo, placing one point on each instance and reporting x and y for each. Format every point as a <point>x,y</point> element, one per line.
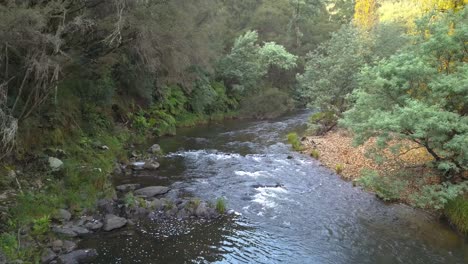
<point>457,213</point>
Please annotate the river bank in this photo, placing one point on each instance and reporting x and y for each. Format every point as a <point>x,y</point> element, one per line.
<point>72,175</point>
<point>336,151</point>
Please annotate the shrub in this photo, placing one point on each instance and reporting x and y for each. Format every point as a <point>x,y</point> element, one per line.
<point>386,187</point>
<point>293,139</point>
<point>41,225</point>
<point>130,200</point>
<point>315,154</point>
<point>439,195</point>
<point>456,211</point>
<point>220,205</point>
<point>339,168</point>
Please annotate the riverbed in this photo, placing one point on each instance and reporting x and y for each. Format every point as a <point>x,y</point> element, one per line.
<point>289,208</point>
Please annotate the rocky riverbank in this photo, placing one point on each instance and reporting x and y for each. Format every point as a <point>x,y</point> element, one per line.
<point>130,204</point>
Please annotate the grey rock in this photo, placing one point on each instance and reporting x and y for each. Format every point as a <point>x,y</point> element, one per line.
<point>157,204</point>
<point>55,164</point>
<point>112,222</point>
<point>172,212</point>
<point>69,246</point>
<point>128,187</point>
<point>78,256</point>
<point>80,230</point>
<point>202,211</point>
<point>57,245</point>
<point>62,215</point>
<point>63,231</point>
<point>183,214</point>
<point>94,225</point>
<point>152,191</point>
<point>151,165</point>
<point>155,149</point>
<point>47,256</point>
<point>106,206</point>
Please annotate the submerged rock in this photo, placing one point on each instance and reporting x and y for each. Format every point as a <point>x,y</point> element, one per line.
<point>112,222</point>
<point>152,191</point>
<point>78,256</point>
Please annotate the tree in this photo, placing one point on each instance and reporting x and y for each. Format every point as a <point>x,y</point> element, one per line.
<point>420,94</point>
<point>248,62</point>
<point>331,72</point>
<point>365,14</point>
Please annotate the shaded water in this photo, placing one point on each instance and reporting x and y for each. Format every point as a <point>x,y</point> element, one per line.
<point>311,217</point>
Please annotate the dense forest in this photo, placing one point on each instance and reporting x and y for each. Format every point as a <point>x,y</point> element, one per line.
<point>77,76</point>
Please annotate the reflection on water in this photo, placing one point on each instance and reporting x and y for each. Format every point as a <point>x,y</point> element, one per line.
<point>289,210</point>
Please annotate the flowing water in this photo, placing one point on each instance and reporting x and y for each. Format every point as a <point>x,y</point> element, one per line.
<point>290,209</point>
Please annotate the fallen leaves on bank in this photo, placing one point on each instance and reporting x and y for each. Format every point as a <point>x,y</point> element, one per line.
<point>336,150</point>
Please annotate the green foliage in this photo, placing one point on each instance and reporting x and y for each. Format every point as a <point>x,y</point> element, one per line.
<point>315,154</point>
<point>456,211</point>
<point>322,122</point>
<point>130,200</point>
<point>293,139</point>
<point>246,64</point>
<point>41,225</point>
<point>269,103</point>
<point>420,94</point>
<point>220,205</point>
<point>386,187</point>
<point>331,71</point>
<point>438,196</point>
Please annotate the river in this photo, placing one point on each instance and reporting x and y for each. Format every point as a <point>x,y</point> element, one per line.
<point>290,209</point>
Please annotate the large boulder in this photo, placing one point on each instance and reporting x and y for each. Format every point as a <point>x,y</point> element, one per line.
<point>55,164</point>
<point>112,222</point>
<point>78,256</point>
<point>151,191</point>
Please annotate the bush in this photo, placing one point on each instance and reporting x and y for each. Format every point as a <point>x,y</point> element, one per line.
<point>439,195</point>
<point>41,225</point>
<point>220,205</point>
<point>386,187</point>
<point>270,103</point>
<point>456,211</point>
<point>339,168</point>
<point>315,154</point>
<point>293,139</point>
